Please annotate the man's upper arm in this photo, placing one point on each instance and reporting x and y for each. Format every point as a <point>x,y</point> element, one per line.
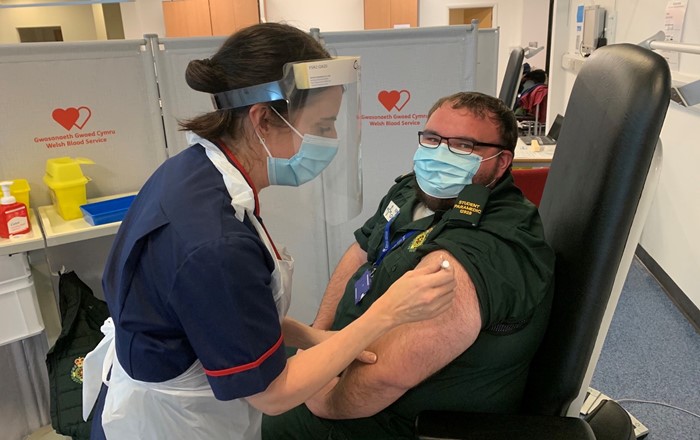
<point>410,353</point>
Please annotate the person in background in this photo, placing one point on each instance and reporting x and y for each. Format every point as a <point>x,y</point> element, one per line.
<point>458,204</point>
<point>530,79</point>
<point>196,288</point>
<point>532,100</point>
<point>526,69</point>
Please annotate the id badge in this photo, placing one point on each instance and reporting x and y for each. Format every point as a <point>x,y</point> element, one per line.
<point>362,285</point>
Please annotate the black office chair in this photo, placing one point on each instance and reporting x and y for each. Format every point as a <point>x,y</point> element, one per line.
<point>512,76</point>
<point>592,215</point>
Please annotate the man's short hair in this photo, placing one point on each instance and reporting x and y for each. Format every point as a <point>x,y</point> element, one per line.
<point>482,106</point>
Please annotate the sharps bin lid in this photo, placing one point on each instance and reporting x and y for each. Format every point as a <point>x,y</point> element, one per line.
<point>66,168</point>
<point>65,171</point>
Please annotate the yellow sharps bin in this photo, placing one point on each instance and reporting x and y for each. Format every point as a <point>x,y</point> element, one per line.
<point>20,190</point>
<point>65,179</point>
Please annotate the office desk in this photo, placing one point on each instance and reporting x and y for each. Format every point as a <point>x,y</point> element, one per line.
<point>524,158</point>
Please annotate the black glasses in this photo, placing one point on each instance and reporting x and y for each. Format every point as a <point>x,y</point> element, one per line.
<point>456,145</point>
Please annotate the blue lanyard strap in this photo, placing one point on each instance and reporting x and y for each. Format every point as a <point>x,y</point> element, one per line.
<point>390,247</point>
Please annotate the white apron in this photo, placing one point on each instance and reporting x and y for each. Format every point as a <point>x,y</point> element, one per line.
<point>183,407</point>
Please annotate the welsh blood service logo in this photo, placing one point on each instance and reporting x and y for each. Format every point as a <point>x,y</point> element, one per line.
<point>394,99</point>
<point>68,118</point>
<point>72,117</point>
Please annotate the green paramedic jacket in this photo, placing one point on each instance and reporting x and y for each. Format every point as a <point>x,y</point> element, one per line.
<point>498,238</point>
<point>82,316</point>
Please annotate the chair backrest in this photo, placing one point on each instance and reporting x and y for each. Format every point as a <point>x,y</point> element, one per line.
<point>607,142</point>
<point>531,182</point>
<point>512,76</point>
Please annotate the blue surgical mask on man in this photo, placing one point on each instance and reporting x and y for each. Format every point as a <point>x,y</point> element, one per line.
<point>314,155</point>
<point>443,174</point>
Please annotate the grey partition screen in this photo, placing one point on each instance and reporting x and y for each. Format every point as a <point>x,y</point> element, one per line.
<point>178,100</point>
<point>404,71</point>
<point>487,61</point>
<point>97,100</point>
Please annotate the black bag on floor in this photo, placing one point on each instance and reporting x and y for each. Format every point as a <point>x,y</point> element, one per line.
<point>82,316</point>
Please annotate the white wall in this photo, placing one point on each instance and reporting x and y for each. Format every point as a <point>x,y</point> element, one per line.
<point>142,17</point>
<point>328,16</point>
<point>535,22</point>
<point>671,235</point>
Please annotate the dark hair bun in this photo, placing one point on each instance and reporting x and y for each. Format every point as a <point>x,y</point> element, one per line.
<point>204,76</point>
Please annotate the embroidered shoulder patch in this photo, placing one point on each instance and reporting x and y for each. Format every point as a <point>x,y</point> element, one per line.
<point>419,240</point>
<point>76,373</point>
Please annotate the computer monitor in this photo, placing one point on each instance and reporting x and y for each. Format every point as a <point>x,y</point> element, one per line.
<point>552,134</point>
<point>556,127</point>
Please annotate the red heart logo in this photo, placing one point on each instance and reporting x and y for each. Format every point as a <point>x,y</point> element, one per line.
<point>394,99</point>
<point>388,99</point>
<point>84,114</point>
<point>71,116</point>
<point>404,97</point>
<point>66,117</point>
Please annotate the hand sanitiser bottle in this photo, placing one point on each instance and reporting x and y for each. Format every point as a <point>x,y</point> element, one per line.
<point>14,219</point>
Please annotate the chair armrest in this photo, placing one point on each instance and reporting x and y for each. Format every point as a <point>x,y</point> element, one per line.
<point>434,425</point>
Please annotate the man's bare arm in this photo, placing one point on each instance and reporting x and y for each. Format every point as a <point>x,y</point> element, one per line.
<point>405,356</point>
<point>353,258</point>
<point>300,335</point>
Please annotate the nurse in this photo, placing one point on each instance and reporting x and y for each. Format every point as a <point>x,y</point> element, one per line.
<point>197,289</point>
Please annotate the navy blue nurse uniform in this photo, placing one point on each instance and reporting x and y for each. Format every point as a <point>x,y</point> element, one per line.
<point>187,280</point>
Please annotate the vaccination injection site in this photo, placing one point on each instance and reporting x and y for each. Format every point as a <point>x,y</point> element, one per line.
<point>370,220</point>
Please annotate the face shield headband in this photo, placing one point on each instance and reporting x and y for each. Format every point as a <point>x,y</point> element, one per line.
<point>297,76</point>
<point>302,86</point>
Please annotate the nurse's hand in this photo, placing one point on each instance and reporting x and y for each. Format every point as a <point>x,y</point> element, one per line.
<point>366,357</point>
<point>302,336</point>
<point>422,293</point>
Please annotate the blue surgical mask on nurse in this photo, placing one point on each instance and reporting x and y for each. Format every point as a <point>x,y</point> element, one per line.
<point>314,155</point>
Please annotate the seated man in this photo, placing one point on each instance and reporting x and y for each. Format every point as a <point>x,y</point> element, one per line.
<point>459,205</point>
<point>530,79</point>
<point>532,100</point>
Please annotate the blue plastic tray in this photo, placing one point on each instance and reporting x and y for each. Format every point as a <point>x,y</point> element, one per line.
<point>107,211</point>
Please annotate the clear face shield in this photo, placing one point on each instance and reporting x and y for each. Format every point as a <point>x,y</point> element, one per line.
<point>322,103</point>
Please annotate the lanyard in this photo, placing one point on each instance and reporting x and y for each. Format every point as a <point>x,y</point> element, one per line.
<point>364,282</point>
<point>256,211</point>
<point>390,247</point>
